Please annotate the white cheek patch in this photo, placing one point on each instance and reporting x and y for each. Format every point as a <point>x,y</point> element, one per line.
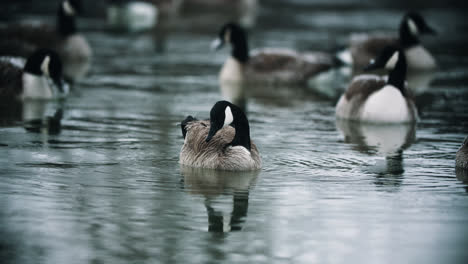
<point>412,27</point>
<point>228,118</point>
<point>67,7</point>
<point>392,61</point>
<point>45,66</point>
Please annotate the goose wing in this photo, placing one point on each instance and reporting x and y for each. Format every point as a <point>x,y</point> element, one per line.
<point>11,84</point>
<point>283,65</point>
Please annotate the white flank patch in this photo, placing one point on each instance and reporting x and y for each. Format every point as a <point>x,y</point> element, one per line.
<point>392,61</point>
<point>419,58</point>
<point>228,118</point>
<point>386,106</point>
<point>36,87</point>
<point>345,56</point>
<point>215,43</point>
<point>67,7</point>
<point>45,66</point>
<point>343,108</point>
<point>412,27</point>
<point>232,71</point>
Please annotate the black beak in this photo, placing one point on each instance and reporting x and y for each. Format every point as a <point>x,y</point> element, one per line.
<point>213,130</point>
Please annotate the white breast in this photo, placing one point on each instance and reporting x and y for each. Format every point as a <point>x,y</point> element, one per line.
<point>419,58</point>
<point>76,56</point>
<point>36,87</point>
<point>232,71</point>
<point>386,106</point>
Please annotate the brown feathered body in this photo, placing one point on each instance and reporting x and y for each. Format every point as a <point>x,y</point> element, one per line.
<point>217,153</point>
<point>461,159</point>
<point>351,103</point>
<point>11,82</point>
<point>285,66</point>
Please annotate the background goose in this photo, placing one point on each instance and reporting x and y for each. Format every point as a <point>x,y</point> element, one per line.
<point>461,160</point>
<point>365,47</point>
<point>270,65</point>
<point>41,77</point>
<point>371,98</point>
<point>132,15</point>
<point>74,50</point>
<point>223,142</point>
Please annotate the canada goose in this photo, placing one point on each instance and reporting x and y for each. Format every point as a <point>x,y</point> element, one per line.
<point>222,143</point>
<point>74,51</point>
<point>461,160</point>
<point>370,98</point>
<point>266,65</point>
<point>132,15</point>
<point>41,77</point>
<point>365,47</point>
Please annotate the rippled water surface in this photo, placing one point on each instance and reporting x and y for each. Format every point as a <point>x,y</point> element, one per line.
<point>107,188</point>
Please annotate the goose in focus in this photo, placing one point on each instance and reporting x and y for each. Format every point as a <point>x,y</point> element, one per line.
<point>271,65</point>
<point>40,78</point>
<point>364,47</point>
<point>72,47</point>
<point>223,142</point>
<point>375,99</point>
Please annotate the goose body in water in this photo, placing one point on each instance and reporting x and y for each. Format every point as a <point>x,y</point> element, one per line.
<point>40,78</point>
<point>373,99</point>
<point>270,65</point>
<point>223,142</point>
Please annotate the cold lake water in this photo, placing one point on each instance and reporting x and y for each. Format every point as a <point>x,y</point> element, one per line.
<point>106,185</point>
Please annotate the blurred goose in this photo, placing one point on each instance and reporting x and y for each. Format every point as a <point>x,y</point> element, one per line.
<point>365,47</point>
<point>267,65</point>
<point>461,160</point>
<point>41,77</point>
<point>132,15</point>
<point>74,51</point>
<point>222,143</point>
<point>371,98</point>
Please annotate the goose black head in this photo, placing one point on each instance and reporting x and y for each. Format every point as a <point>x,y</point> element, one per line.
<point>67,11</point>
<point>224,113</point>
<point>411,27</point>
<point>45,62</point>
<point>235,35</point>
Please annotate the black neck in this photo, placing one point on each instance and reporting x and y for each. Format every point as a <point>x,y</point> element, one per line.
<point>66,25</point>
<point>240,49</point>
<point>397,75</point>
<point>407,39</point>
<point>241,124</point>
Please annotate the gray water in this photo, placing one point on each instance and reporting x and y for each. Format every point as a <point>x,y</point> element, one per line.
<point>108,187</point>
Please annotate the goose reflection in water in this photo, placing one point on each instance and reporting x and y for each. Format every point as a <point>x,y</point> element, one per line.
<point>388,141</point>
<point>217,184</point>
<point>34,115</point>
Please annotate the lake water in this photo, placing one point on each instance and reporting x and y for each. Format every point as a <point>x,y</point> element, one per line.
<point>108,188</point>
